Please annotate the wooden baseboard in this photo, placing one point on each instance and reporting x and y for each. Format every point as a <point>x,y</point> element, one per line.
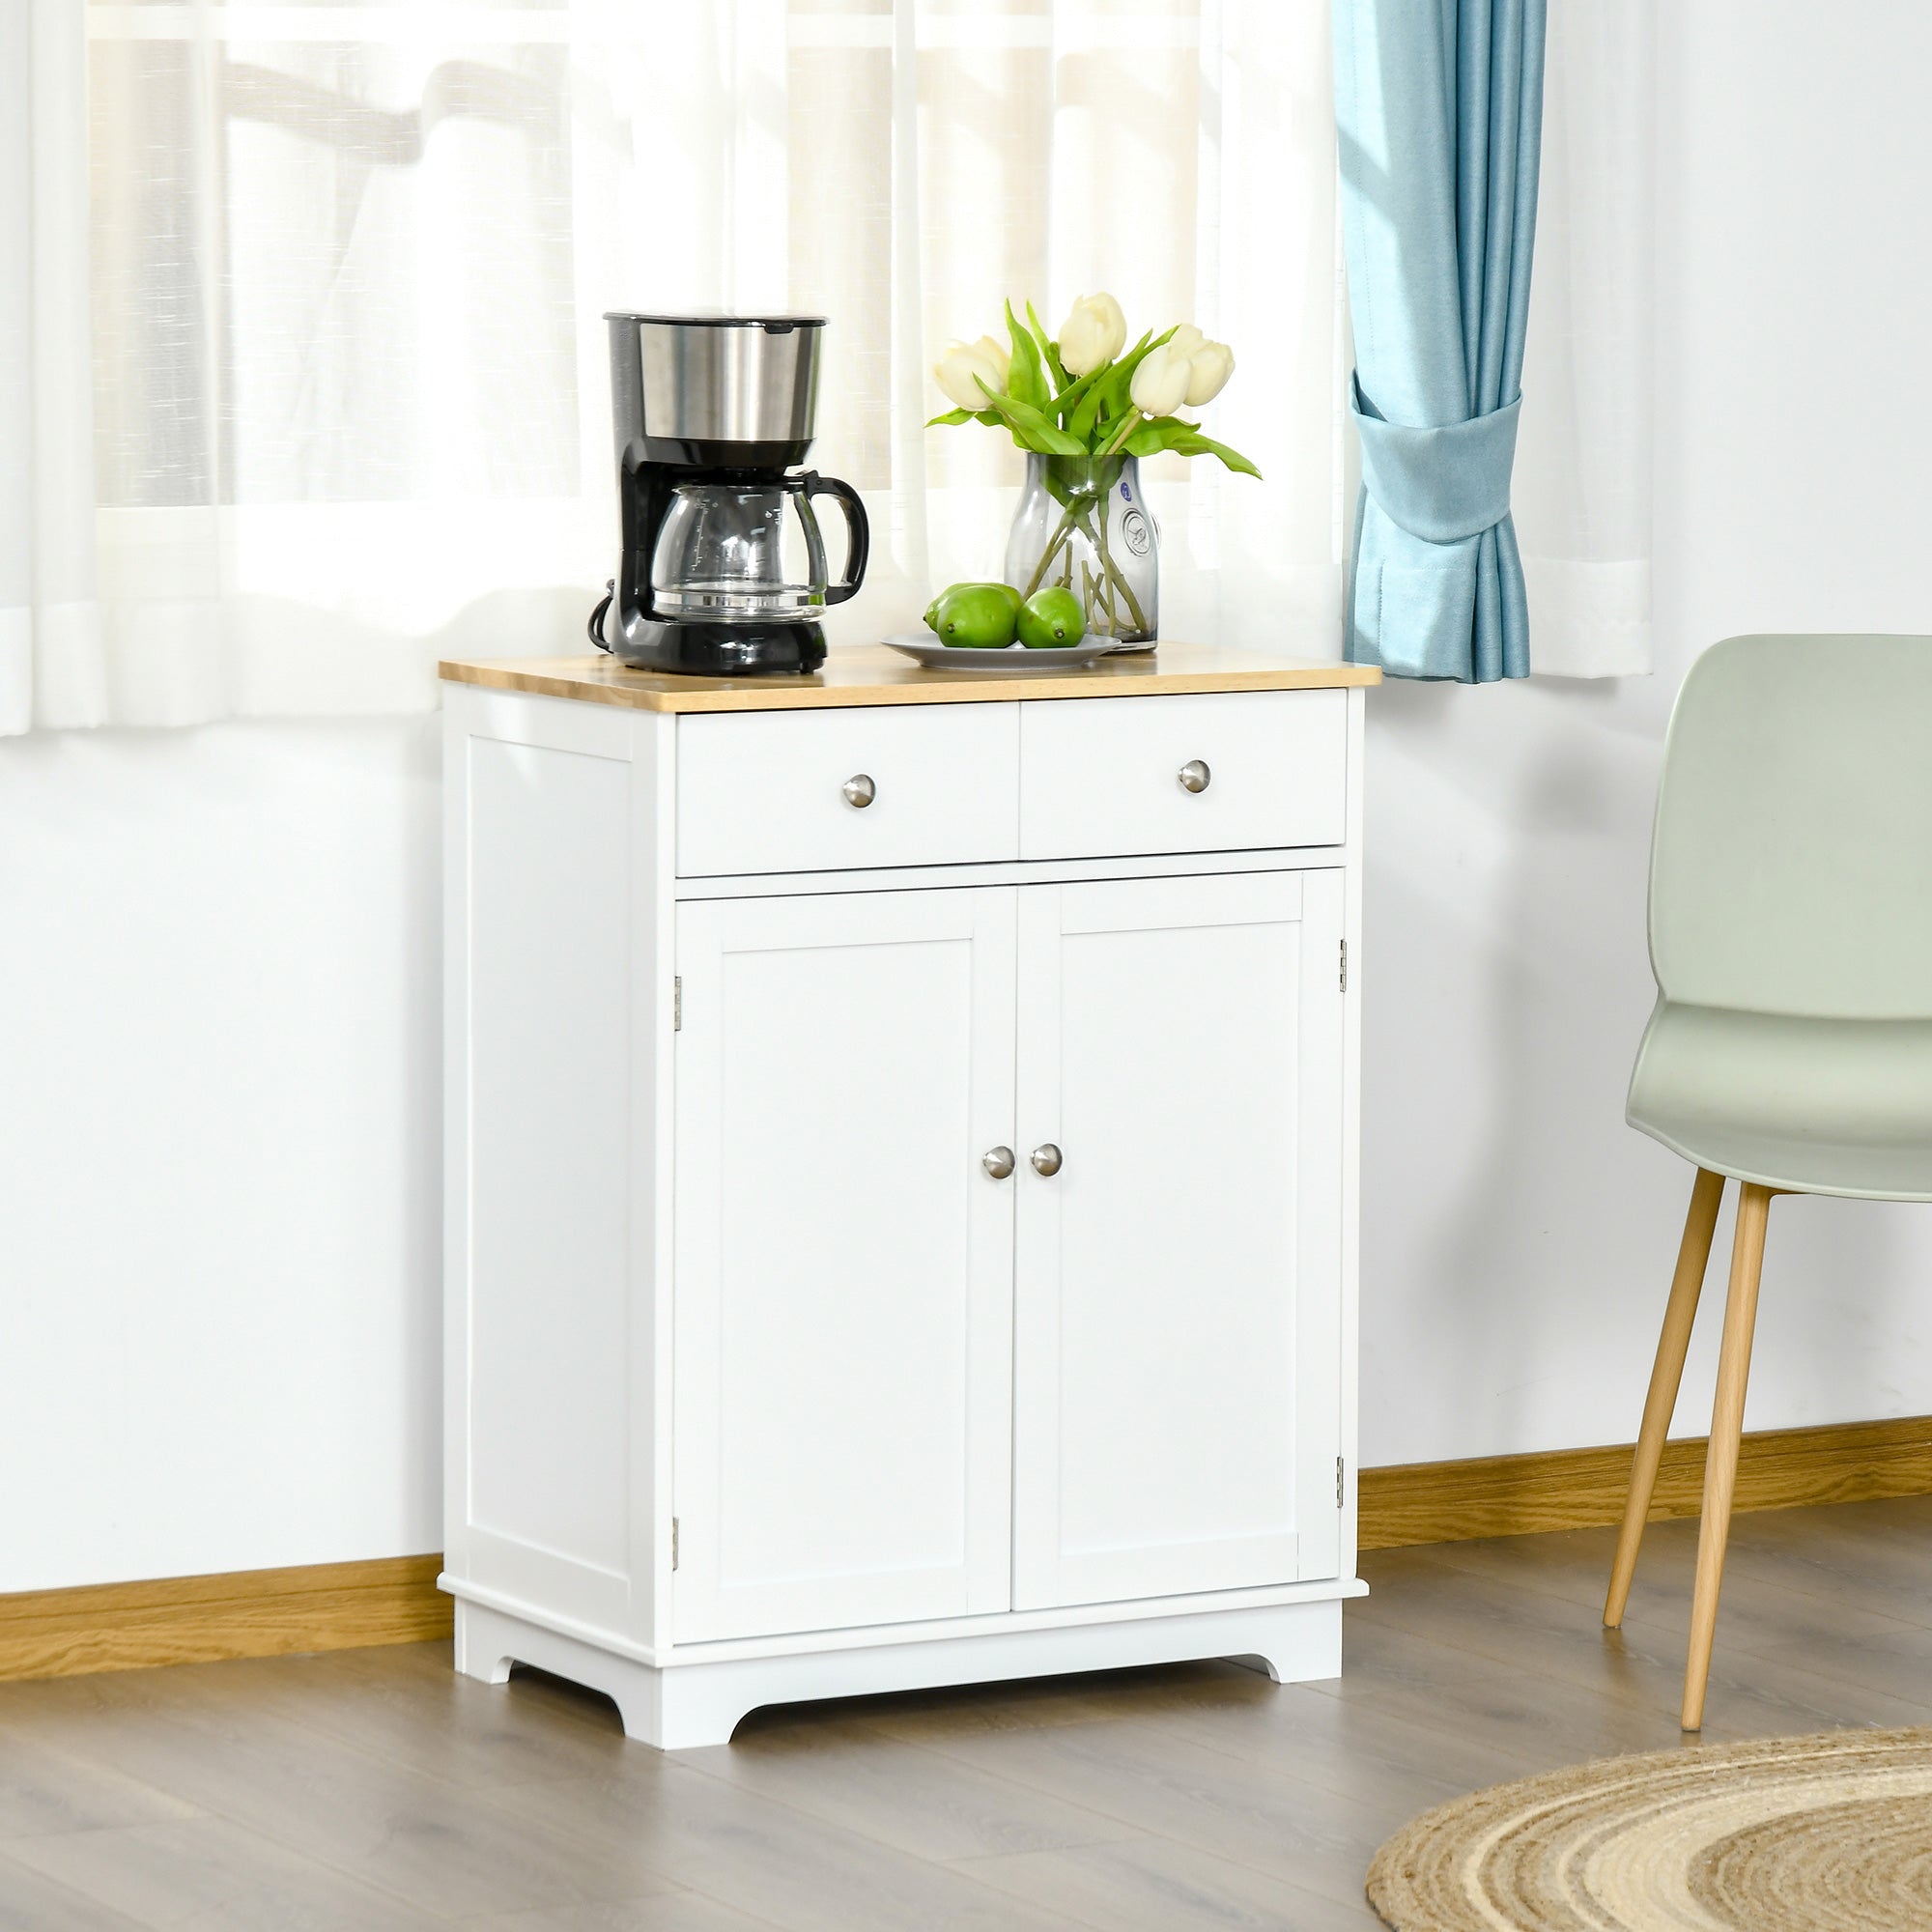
<point>1578,1488</point>
<point>204,1619</point>
<point>394,1599</point>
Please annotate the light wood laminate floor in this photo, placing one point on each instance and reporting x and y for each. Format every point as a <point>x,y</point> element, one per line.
<point>371,1790</point>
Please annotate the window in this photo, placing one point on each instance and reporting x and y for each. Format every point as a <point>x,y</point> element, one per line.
<point>349,263</point>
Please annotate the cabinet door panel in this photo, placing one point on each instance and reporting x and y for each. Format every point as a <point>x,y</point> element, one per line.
<point>843,1261</point>
<point>1177,1352</point>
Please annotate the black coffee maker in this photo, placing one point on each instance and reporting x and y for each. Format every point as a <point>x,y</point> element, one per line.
<point>722,571</point>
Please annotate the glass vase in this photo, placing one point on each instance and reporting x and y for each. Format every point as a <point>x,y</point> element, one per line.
<point>1083,523</point>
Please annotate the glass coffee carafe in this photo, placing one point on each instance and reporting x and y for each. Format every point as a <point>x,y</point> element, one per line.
<point>748,551</point>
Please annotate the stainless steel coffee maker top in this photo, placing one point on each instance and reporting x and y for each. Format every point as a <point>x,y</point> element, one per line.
<point>728,379</point>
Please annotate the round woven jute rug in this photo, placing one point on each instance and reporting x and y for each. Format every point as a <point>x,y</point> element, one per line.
<point>1828,1834</point>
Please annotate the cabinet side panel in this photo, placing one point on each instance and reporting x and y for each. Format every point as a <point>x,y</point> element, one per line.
<point>547,1498</point>
<point>456,724</point>
<point>1350,1236</point>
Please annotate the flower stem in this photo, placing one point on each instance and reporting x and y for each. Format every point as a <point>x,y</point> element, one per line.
<point>1129,422</point>
<point>1115,575</point>
<point>1061,532</point>
<point>1087,513</point>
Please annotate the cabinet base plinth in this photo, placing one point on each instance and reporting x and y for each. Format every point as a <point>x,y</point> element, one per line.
<point>684,1705</point>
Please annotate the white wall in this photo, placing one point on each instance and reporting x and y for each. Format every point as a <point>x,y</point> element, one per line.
<point>1518,1238</point>
<point>218,1222</point>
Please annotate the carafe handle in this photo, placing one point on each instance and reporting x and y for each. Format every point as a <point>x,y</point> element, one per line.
<point>859,531</point>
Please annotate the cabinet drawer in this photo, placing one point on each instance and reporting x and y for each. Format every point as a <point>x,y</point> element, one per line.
<point>765,792</point>
<point>1106,778</point>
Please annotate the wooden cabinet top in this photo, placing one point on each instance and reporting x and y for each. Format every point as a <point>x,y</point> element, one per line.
<point>871,674</point>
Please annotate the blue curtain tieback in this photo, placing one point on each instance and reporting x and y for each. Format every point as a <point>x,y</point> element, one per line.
<point>1441,485</point>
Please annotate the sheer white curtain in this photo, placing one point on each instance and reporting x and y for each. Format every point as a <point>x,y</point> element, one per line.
<point>337,270</point>
<point>49,623</point>
<point>1582,489</point>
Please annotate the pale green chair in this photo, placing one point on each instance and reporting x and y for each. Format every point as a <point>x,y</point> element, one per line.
<point>1791,1046</point>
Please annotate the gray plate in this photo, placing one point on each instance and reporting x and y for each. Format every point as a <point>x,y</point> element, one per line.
<point>922,647</point>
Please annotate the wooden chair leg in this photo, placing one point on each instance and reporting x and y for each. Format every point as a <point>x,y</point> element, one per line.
<point>1693,1255</point>
<point>1721,1462</point>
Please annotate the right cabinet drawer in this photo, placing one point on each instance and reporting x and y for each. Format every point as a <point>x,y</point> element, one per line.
<point>1218,772</point>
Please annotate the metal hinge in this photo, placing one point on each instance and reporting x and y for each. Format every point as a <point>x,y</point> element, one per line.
<point>1345,966</point>
<point>1338,1487</point>
<point>673,1543</point>
<point>677,1004</point>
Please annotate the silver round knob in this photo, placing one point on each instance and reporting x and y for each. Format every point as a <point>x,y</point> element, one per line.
<point>1046,1160</point>
<point>860,791</point>
<point>1194,775</point>
<point>998,1161</point>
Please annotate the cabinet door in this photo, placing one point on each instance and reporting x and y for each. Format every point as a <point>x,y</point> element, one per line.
<point>842,1432</point>
<point>1178,1284</point>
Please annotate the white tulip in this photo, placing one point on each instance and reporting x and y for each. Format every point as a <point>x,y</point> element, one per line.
<point>1209,369</point>
<point>1094,332</point>
<point>965,365</point>
<point>1185,340</point>
<point>1159,386</point>
<point>996,351</point>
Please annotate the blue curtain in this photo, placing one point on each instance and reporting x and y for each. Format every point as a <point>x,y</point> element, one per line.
<point>1438,104</point>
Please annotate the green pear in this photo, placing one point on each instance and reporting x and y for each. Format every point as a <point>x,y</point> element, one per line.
<point>975,616</point>
<point>1051,620</point>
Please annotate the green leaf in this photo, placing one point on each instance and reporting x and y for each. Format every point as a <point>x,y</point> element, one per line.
<point>1048,348</point>
<point>1088,414</point>
<point>1163,433</point>
<point>1039,333</point>
<point>1198,445</point>
<point>1026,379</point>
<point>1074,392</point>
<point>991,418</point>
<point>1032,430</point>
<point>1159,432</point>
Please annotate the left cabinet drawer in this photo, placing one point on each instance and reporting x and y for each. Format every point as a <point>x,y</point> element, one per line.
<point>810,791</point>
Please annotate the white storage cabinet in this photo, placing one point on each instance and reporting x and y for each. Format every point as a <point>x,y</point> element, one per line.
<point>902,1180</point>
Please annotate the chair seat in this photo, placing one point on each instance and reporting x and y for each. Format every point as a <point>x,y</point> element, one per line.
<point>1820,1106</point>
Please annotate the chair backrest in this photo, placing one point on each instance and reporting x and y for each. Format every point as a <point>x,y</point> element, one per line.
<point>1791,870</point>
